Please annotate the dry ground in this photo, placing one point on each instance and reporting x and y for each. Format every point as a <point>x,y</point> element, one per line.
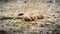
<point>48,25</point>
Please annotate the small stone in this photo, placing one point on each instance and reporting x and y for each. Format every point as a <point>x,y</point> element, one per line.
<point>54,1</point>
<point>49,9</point>
<point>42,25</point>
<point>25,1</point>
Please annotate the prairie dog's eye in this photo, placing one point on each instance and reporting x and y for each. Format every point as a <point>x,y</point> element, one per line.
<point>20,14</point>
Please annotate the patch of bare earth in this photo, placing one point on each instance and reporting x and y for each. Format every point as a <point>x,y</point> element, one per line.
<point>29,17</point>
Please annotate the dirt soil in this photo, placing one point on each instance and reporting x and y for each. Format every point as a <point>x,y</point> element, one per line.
<point>10,11</point>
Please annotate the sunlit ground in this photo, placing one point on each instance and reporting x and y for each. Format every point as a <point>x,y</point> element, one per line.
<point>47,25</point>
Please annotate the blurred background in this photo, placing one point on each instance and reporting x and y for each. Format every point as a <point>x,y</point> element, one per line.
<point>12,8</point>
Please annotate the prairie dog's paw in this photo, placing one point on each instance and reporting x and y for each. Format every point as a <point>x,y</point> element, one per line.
<point>36,16</point>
